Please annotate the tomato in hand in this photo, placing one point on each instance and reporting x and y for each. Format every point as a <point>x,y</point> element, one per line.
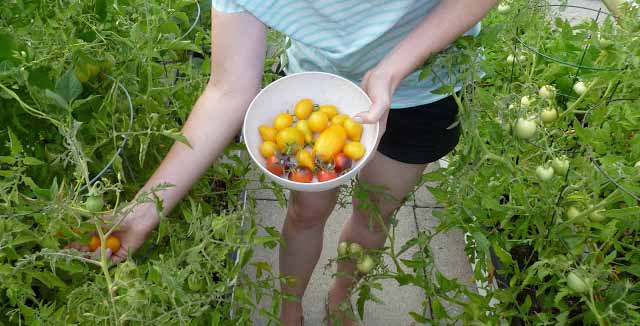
<point>326,175</point>
<point>113,243</point>
<point>339,119</point>
<point>301,174</point>
<point>303,108</point>
<point>354,129</point>
<point>341,162</point>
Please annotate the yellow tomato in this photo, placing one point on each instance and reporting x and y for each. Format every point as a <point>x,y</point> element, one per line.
<point>330,110</point>
<point>318,121</point>
<point>354,150</point>
<point>330,142</point>
<point>305,159</point>
<point>290,140</point>
<point>268,149</point>
<point>339,119</point>
<point>282,121</point>
<point>303,108</point>
<point>354,129</point>
<point>268,133</point>
<point>303,125</point>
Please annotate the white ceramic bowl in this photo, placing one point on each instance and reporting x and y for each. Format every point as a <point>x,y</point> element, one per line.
<point>321,88</point>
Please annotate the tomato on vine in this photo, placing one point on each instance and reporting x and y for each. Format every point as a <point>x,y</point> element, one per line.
<point>525,128</point>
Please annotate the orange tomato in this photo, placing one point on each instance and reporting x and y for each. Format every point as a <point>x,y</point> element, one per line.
<point>330,110</point>
<point>268,149</point>
<point>318,121</point>
<point>305,159</point>
<point>282,121</point>
<point>290,140</point>
<point>113,243</point>
<point>354,150</point>
<point>94,243</point>
<point>354,129</point>
<point>330,142</point>
<point>339,119</point>
<point>303,108</point>
<point>268,133</point>
<point>303,125</point>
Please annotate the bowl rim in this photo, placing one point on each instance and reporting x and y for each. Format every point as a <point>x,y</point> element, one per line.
<point>264,169</point>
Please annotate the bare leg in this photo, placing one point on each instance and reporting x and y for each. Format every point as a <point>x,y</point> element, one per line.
<point>399,179</point>
<point>303,232</point>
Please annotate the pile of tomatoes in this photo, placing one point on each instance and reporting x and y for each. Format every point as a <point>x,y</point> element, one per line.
<point>315,140</point>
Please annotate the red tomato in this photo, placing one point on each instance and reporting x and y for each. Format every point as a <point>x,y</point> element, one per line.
<point>341,162</point>
<point>275,166</point>
<point>326,175</point>
<point>301,174</point>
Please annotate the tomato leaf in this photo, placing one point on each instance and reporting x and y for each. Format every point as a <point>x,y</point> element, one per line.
<point>176,135</point>
<point>16,146</point>
<point>68,86</point>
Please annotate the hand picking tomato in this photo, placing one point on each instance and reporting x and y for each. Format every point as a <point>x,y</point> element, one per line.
<point>290,140</point>
<point>326,175</point>
<point>301,174</point>
<point>339,119</point>
<point>282,121</point>
<point>305,158</point>
<point>341,162</point>
<point>354,150</point>
<point>113,243</point>
<point>354,129</point>
<point>268,149</point>
<point>268,133</point>
<point>330,142</point>
<point>318,121</point>
<point>275,166</point>
<point>303,108</point>
<point>303,125</point>
<point>330,110</point>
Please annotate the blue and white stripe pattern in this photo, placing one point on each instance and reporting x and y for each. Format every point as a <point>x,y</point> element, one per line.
<point>345,37</point>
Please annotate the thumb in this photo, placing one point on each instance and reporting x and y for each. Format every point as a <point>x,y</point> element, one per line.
<point>378,109</point>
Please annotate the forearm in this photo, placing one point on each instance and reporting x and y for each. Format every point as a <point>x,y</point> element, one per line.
<point>214,121</point>
<point>441,27</point>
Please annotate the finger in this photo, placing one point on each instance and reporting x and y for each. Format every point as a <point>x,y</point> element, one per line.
<point>378,109</point>
<point>119,256</point>
<point>108,252</point>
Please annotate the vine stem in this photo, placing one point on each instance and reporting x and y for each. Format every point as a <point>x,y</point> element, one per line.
<point>104,266</point>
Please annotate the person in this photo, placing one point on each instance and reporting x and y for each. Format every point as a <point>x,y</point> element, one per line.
<point>379,44</point>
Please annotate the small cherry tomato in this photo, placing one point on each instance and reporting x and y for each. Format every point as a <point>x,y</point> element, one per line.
<point>526,101</point>
<point>560,165</point>
<point>303,125</point>
<point>547,92</point>
<point>354,129</point>
<point>326,175</point>
<point>282,121</point>
<point>330,110</point>
<point>301,174</point>
<point>275,166</point>
<point>268,149</point>
<point>355,249</point>
<point>365,264</point>
<point>549,115</point>
<point>545,173</point>
<point>305,158</point>
<point>341,162</point>
<point>113,243</point>
<point>354,150</point>
<point>580,88</point>
<point>290,140</point>
<point>504,8</point>
<point>318,121</point>
<point>339,119</point>
<point>94,203</point>
<point>525,128</point>
<point>303,108</point>
<point>330,142</point>
<point>576,283</point>
<point>343,248</point>
<point>268,133</point>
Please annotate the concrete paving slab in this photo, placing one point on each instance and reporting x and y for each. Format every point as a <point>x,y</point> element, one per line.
<point>575,14</point>
<point>398,302</point>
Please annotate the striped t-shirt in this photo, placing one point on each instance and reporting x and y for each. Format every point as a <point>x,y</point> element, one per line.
<point>346,37</point>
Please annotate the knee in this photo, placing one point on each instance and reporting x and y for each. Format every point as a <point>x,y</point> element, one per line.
<point>374,216</point>
<point>305,215</point>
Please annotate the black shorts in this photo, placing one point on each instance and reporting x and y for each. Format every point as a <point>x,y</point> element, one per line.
<point>419,135</point>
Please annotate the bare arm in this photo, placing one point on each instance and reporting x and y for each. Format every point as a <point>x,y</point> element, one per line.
<point>441,27</point>
<point>238,47</point>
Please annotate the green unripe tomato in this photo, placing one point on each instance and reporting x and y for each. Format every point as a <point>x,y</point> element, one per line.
<point>365,264</point>
<point>576,283</point>
<point>343,248</point>
<point>355,249</point>
<point>94,204</point>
